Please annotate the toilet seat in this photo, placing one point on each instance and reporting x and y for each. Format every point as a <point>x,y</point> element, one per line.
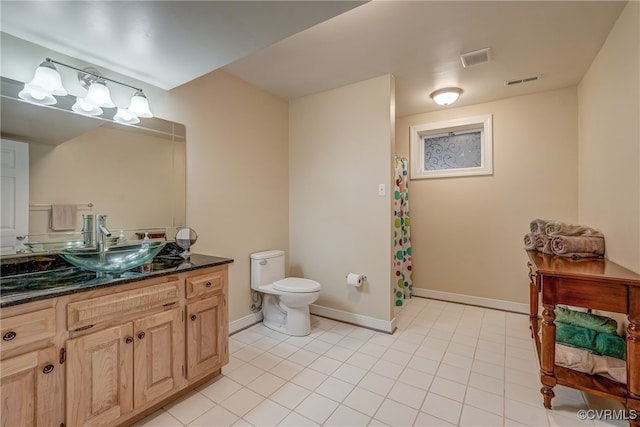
<point>296,284</point>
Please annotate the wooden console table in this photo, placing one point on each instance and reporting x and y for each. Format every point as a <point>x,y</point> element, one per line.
<point>591,283</point>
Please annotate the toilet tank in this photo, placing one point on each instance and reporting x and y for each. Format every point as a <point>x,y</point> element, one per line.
<point>266,267</point>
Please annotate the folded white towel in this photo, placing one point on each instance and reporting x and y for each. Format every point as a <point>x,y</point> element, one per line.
<point>63,217</point>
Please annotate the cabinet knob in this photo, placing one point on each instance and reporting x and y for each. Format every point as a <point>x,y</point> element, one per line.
<point>140,335</point>
<point>194,317</point>
<point>207,285</point>
<point>48,369</point>
<point>9,336</point>
<point>128,340</point>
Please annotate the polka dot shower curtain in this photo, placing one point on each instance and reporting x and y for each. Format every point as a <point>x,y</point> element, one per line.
<point>403,288</point>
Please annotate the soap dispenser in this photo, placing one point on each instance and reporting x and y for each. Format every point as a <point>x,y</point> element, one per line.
<point>147,267</point>
<point>121,238</point>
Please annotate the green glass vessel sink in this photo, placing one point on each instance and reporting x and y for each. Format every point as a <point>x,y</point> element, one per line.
<point>115,259</point>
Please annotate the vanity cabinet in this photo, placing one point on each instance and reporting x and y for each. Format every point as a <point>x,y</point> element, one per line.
<point>110,355</point>
<point>207,323</point>
<point>121,368</point>
<point>99,376</point>
<point>31,378</point>
<point>32,390</point>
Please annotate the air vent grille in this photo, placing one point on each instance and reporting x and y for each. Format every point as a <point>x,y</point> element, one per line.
<point>523,80</point>
<point>476,57</point>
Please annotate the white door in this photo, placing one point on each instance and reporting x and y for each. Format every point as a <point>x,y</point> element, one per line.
<point>14,190</point>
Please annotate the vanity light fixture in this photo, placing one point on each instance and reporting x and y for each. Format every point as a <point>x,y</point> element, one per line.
<point>446,96</point>
<point>99,95</point>
<point>125,117</point>
<point>82,106</point>
<point>139,105</point>
<point>47,84</point>
<point>36,96</point>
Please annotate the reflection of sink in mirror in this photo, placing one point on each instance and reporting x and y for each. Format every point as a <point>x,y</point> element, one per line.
<point>115,259</point>
<point>54,245</point>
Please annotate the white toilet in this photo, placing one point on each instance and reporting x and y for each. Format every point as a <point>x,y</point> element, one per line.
<point>285,306</point>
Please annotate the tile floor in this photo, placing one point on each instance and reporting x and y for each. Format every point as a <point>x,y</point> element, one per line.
<point>447,364</point>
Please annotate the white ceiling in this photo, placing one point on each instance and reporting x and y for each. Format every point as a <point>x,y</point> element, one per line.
<point>279,47</point>
<point>163,43</point>
<point>420,42</point>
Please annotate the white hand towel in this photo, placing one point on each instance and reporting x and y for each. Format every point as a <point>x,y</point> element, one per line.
<point>63,217</point>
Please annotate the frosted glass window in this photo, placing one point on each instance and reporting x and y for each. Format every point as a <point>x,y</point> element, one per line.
<point>453,151</point>
<point>459,147</point>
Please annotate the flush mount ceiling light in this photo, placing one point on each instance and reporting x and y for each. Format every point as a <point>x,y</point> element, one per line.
<point>446,96</point>
<point>47,84</point>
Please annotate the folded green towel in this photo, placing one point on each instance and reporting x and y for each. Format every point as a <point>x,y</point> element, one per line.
<point>575,336</point>
<point>611,345</point>
<point>599,343</point>
<point>586,320</point>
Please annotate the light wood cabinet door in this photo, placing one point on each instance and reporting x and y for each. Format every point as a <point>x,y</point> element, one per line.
<point>100,376</point>
<point>158,354</point>
<point>207,331</point>
<point>31,390</point>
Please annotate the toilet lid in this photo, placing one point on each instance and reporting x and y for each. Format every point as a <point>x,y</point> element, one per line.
<point>296,284</point>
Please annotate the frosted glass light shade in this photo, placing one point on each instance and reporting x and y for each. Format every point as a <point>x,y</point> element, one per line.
<point>446,96</point>
<point>36,96</point>
<point>47,79</point>
<point>125,117</point>
<point>83,107</point>
<point>99,95</point>
<point>140,105</point>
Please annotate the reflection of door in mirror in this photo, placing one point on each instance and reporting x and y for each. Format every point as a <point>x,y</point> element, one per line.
<point>15,194</point>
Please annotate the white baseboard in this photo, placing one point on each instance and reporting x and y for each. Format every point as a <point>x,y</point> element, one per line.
<point>245,322</point>
<point>355,319</point>
<point>497,304</point>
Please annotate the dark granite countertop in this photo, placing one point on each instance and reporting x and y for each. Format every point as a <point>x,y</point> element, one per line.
<point>22,288</point>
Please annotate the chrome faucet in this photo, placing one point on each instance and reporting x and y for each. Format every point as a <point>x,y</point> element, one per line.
<point>101,232</point>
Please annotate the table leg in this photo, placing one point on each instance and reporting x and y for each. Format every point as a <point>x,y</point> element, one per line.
<point>548,353</point>
<point>534,289</point>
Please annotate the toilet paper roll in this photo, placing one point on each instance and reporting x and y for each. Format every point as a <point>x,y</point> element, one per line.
<point>355,279</point>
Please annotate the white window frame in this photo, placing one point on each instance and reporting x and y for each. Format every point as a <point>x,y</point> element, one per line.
<point>483,123</point>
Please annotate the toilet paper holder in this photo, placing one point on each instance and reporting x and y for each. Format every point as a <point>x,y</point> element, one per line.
<point>355,279</point>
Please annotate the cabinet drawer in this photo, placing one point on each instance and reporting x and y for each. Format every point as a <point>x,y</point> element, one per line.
<point>111,307</point>
<point>28,328</point>
<point>206,283</point>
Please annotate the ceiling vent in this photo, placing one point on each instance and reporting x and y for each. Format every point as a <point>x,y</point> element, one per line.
<point>524,80</point>
<point>476,57</point>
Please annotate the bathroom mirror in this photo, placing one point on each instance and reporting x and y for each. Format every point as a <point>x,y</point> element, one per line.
<point>133,174</point>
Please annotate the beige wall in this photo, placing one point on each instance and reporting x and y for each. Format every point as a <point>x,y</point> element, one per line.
<point>237,172</point>
<point>340,150</point>
<point>467,233</point>
<point>609,141</point>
